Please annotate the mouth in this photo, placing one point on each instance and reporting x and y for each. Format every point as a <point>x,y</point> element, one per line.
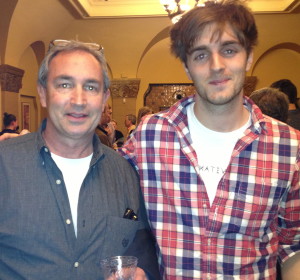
<point>219,82</point>
<point>76,116</point>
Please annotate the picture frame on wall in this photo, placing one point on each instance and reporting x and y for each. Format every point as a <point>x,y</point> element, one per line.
<point>25,115</point>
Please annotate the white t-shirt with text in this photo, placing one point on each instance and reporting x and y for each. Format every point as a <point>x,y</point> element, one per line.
<point>213,150</point>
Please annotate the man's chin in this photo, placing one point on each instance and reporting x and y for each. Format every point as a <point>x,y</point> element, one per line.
<point>79,134</point>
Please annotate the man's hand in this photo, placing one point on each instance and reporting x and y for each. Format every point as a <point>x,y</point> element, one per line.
<point>140,274</point>
<point>291,268</point>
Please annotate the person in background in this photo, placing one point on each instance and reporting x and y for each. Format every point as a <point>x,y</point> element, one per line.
<point>118,140</point>
<point>288,88</point>
<point>298,103</point>
<point>110,129</point>
<point>102,128</point>
<point>143,112</point>
<point>10,124</point>
<point>11,127</point>
<point>220,180</point>
<point>6,136</point>
<point>130,123</point>
<point>272,102</point>
<point>62,207</point>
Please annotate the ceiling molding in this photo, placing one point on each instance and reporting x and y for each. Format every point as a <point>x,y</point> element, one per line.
<point>90,9</point>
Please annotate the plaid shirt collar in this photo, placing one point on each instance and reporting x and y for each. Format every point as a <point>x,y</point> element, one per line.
<point>177,116</point>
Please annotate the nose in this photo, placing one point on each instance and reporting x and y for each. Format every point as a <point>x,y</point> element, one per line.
<point>78,96</point>
<point>217,63</point>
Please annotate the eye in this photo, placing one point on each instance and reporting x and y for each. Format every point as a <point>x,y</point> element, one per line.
<point>91,88</point>
<point>64,85</point>
<point>200,56</point>
<point>229,51</point>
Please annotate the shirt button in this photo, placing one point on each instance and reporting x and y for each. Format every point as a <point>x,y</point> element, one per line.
<point>208,241</point>
<point>76,264</point>
<point>204,205</point>
<point>58,182</point>
<point>46,150</point>
<point>68,221</point>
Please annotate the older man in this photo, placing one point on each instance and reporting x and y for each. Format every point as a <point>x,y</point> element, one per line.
<point>61,204</point>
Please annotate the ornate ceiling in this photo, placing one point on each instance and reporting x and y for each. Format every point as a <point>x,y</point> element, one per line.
<point>145,8</point>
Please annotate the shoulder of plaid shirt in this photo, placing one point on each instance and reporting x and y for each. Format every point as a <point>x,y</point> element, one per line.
<point>288,255</point>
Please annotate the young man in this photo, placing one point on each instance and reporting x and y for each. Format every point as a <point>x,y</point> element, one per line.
<point>61,204</point>
<point>220,181</point>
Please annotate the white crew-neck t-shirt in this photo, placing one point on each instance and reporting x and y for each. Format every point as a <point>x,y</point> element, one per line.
<point>213,150</point>
<point>74,172</point>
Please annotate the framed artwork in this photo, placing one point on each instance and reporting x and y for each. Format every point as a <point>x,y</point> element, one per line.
<point>160,97</point>
<point>25,115</point>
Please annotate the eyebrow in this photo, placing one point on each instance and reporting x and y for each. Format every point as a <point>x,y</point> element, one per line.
<point>226,43</point>
<point>199,48</point>
<point>92,81</point>
<point>70,78</point>
<point>223,44</point>
<point>63,77</point>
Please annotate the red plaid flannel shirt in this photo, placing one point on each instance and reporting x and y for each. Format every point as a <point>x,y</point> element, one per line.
<point>255,215</point>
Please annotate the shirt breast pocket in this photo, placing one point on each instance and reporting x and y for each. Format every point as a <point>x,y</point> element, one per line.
<point>253,208</point>
<point>119,235</point>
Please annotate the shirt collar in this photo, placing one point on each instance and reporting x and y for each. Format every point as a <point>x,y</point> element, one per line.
<point>177,114</point>
<point>260,124</point>
<point>98,151</point>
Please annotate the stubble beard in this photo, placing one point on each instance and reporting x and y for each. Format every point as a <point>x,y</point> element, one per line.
<point>218,99</point>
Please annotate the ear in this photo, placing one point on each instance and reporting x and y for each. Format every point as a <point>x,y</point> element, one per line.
<point>249,61</point>
<point>186,69</point>
<point>43,95</point>
<point>106,95</point>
